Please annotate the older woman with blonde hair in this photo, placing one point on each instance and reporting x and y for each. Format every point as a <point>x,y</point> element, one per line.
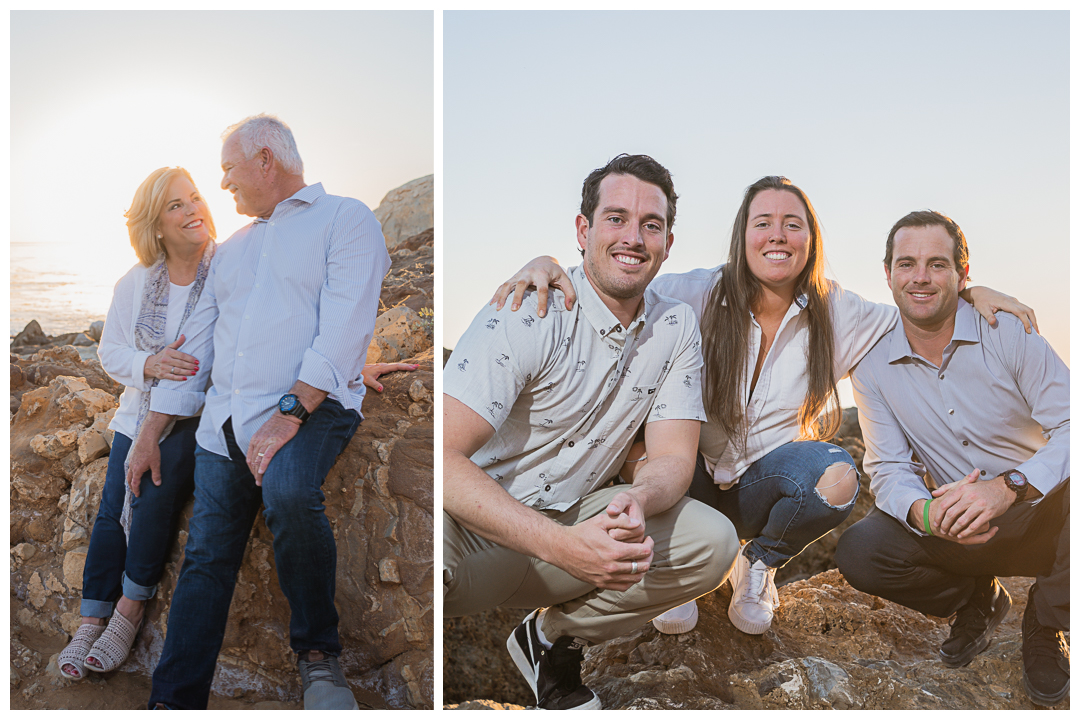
<point>173,234</point>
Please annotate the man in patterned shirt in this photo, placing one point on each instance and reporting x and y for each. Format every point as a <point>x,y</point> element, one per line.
<point>284,320</point>
<point>539,413</point>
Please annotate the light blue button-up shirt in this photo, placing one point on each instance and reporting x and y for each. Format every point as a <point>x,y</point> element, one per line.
<point>998,401</point>
<point>290,297</point>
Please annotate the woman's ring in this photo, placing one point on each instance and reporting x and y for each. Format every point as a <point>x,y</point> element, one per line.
<point>633,567</point>
<point>261,454</point>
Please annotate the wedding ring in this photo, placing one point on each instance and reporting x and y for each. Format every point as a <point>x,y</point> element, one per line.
<point>261,454</point>
<point>633,567</point>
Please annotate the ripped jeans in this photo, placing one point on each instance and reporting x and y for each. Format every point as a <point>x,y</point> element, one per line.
<point>776,505</point>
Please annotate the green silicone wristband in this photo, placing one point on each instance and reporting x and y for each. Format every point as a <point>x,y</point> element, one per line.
<point>926,517</point>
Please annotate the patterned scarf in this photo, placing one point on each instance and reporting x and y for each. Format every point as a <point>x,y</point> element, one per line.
<point>150,337</point>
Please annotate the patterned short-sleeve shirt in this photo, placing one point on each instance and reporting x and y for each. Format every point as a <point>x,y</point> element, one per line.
<point>566,393</point>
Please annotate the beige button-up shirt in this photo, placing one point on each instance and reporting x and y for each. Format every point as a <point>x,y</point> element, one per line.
<point>566,393</point>
<point>773,411</point>
<point>999,401</point>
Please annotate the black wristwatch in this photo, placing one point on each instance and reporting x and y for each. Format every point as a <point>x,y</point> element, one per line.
<point>291,405</point>
<point>1015,481</point>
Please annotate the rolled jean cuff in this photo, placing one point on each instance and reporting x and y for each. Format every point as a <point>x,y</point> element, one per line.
<point>137,592</point>
<point>95,608</point>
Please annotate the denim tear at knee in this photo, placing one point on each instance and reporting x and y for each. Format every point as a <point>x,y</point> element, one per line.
<point>854,497</point>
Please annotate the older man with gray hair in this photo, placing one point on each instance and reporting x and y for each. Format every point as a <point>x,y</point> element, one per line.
<point>283,326</point>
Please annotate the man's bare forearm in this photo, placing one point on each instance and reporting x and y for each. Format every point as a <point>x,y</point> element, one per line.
<point>661,482</point>
<point>482,506</point>
<point>154,424</point>
<point>310,397</point>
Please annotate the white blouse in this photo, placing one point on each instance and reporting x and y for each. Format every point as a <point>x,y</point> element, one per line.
<point>773,411</point>
<point>117,352</point>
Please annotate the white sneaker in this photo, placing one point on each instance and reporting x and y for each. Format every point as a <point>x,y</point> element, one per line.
<point>753,595</point>
<point>677,620</point>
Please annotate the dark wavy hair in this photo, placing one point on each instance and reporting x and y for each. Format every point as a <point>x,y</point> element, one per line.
<point>642,167</point>
<point>929,218</point>
<point>725,329</point>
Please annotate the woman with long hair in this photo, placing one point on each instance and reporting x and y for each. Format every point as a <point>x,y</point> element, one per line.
<point>776,338</point>
<point>173,234</point>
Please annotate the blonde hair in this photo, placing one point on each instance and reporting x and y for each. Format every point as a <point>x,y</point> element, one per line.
<point>145,209</point>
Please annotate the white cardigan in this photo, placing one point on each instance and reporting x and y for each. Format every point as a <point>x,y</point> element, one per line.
<point>122,361</point>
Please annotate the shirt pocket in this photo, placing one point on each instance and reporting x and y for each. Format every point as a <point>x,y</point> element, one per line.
<point>633,404</point>
<point>789,377</point>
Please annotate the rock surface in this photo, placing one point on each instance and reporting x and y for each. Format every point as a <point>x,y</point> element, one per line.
<point>379,500</point>
<point>407,210</point>
<point>830,647</point>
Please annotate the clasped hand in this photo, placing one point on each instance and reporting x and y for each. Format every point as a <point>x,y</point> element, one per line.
<point>610,546</point>
<point>961,512</point>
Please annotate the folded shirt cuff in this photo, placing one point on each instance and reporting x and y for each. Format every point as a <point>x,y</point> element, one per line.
<point>138,365</point>
<point>318,372</point>
<point>176,402</point>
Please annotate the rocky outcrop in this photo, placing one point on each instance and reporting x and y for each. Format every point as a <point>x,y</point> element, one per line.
<point>830,647</point>
<point>379,500</point>
<point>407,211</point>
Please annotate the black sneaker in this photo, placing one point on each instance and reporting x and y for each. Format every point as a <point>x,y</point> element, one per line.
<point>554,675</point>
<point>975,622</point>
<point>1046,659</point>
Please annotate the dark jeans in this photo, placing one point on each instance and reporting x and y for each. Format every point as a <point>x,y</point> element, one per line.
<point>226,502</point>
<point>877,555</point>
<point>775,505</point>
<point>112,564</point>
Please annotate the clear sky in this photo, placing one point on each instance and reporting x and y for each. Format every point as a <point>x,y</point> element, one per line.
<point>873,114</point>
<point>100,99</point>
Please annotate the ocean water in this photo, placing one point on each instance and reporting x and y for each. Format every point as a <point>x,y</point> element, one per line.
<point>65,286</point>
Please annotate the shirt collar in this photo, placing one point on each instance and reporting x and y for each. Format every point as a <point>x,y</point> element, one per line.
<point>964,330</point>
<point>307,194</point>
<point>599,315</point>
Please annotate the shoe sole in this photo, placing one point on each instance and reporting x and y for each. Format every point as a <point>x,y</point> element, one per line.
<point>1044,700</point>
<point>517,654</point>
<point>750,628</point>
<point>676,627</point>
<point>956,661</point>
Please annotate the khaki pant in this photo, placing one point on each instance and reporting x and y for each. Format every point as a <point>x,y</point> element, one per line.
<point>695,547</point>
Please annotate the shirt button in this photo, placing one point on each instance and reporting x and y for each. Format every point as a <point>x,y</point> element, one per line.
<point>603,332</point>
<point>940,377</point>
<point>982,472</point>
<point>271,222</point>
<point>571,443</point>
<point>547,488</point>
<point>247,317</point>
<point>618,328</point>
<point>965,443</point>
<point>236,391</point>
<point>242,355</point>
<point>950,411</point>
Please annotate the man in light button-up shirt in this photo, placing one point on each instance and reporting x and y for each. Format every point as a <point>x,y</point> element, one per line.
<point>284,322</point>
<point>983,412</point>
<point>539,413</point>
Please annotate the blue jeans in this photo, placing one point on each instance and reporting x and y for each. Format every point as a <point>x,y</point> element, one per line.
<point>775,505</point>
<point>226,502</point>
<point>112,564</point>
